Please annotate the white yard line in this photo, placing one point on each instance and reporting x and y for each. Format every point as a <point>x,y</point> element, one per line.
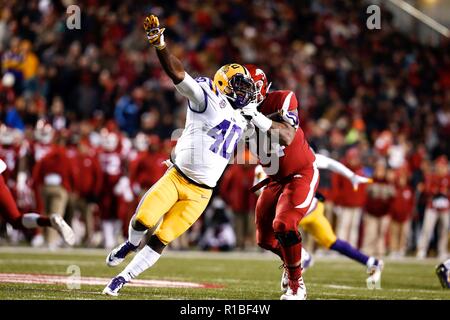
<point>94,281</point>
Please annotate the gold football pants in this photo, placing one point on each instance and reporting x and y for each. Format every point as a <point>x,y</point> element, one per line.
<point>319,227</point>
<point>174,200</point>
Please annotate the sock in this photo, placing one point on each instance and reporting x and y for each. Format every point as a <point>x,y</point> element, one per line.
<point>143,260</point>
<point>134,236</point>
<point>108,233</point>
<point>347,250</point>
<point>292,257</point>
<point>31,220</point>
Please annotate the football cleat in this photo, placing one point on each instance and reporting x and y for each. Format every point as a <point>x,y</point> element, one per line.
<point>374,279</point>
<point>296,290</point>
<point>118,254</point>
<point>443,273</point>
<point>63,229</point>
<point>307,261</point>
<point>114,286</point>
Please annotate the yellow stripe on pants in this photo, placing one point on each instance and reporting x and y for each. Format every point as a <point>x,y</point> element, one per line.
<point>177,201</point>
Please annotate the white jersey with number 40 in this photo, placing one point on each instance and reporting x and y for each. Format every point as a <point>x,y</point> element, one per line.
<point>212,131</point>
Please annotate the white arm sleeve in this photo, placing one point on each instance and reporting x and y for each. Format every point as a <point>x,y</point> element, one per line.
<point>2,166</point>
<point>193,91</point>
<point>324,162</point>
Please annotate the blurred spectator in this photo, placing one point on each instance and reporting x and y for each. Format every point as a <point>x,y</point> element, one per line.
<point>128,110</point>
<point>437,193</point>
<point>219,234</point>
<point>235,191</point>
<point>401,210</point>
<point>30,65</point>
<point>348,202</point>
<point>88,186</point>
<point>376,218</point>
<point>53,177</point>
<point>147,166</point>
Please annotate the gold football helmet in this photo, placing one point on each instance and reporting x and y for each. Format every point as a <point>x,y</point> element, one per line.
<point>235,82</point>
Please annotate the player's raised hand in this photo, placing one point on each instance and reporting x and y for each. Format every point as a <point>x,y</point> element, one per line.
<point>155,34</point>
<point>357,180</point>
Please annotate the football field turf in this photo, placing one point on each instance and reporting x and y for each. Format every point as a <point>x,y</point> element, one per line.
<point>27,273</point>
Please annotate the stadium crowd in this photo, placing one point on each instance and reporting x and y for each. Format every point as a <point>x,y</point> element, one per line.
<point>88,115</point>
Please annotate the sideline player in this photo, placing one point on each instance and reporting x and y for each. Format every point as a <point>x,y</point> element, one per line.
<point>12,215</point>
<point>291,186</point>
<point>213,128</point>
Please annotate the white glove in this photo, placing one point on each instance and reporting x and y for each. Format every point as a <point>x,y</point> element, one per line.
<point>251,113</point>
<point>357,180</point>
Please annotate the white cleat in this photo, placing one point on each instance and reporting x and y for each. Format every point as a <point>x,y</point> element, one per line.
<point>284,284</point>
<point>118,254</point>
<point>63,229</point>
<point>374,279</point>
<point>114,286</point>
<point>295,293</point>
<point>306,262</point>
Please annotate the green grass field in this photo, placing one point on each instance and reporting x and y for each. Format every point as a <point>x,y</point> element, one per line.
<point>238,275</point>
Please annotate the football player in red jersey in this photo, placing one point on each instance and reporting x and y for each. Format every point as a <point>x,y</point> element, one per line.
<point>293,178</point>
<point>12,215</point>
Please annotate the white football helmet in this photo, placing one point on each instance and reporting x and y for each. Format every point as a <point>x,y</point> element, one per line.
<point>6,135</point>
<point>44,132</point>
<point>110,141</point>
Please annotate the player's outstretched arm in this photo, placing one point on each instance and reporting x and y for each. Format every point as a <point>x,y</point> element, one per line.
<point>155,35</point>
<point>173,67</point>
<point>324,162</point>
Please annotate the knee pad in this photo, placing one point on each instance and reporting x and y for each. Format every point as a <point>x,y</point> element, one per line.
<point>287,239</point>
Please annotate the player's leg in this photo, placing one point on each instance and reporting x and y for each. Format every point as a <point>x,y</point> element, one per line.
<point>370,233</point>
<point>443,234</point>
<point>264,216</point>
<point>395,230</point>
<point>292,206</point>
<point>383,229</point>
<point>191,204</point>
<point>355,220</point>
<point>426,232</point>
<point>154,204</point>
<point>11,213</point>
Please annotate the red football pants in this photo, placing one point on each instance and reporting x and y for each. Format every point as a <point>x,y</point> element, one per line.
<point>8,208</point>
<point>280,207</point>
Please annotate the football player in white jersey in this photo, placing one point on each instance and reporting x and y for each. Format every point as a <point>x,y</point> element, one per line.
<point>213,127</point>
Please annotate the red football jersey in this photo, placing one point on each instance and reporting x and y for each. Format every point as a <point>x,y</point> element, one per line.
<point>10,155</point>
<point>297,155</point>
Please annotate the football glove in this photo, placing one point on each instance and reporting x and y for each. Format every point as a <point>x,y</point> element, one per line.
<point>357,180</point>
<point>154,32</point>
<point>251,113</point>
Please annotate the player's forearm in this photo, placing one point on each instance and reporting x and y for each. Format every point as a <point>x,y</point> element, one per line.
<point>324,162</point>
<point>286,132</point>
<point>171,65</point>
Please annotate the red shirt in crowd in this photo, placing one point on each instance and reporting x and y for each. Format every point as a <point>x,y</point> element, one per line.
<point>402,205</point>
<point>379,197</point>
<point>147,168</point>
<point>437,191</point>
<point>55,169</point>
<point>342,192</point>
<point>88,173</point>
<point>235,188</point>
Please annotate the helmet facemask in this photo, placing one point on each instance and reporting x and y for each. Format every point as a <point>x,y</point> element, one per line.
<point>243,91</point>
